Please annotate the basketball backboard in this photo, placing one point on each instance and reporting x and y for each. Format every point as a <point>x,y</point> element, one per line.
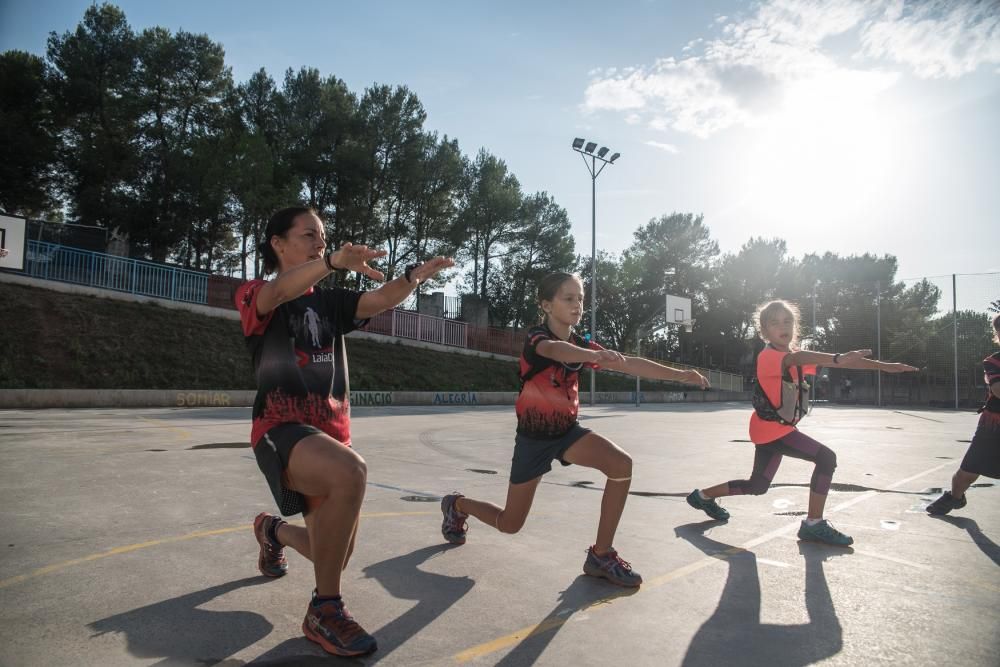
<point>12,240</point>
<point>678,311</point>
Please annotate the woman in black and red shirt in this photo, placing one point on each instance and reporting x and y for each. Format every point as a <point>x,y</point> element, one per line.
<point>301,416</point>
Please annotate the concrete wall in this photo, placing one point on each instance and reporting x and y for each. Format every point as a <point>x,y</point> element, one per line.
<point>171,398</point>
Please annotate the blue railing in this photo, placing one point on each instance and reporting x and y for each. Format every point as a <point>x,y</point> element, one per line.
<point>51,261</point>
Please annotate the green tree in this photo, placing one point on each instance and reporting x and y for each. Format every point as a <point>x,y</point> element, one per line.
<point>741,281</point>
<point>261,179</point>
<point>94,107</point>
<point>391,143</point>
<point>424,204</point>
<point>489,219</point>
<point>182,81</point>
<point>543,245</point>
<point>315,117</point>
<point>27,136</point>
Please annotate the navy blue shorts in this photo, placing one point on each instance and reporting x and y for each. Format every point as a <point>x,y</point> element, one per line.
<point>533,457</point>
<point>983,455</point>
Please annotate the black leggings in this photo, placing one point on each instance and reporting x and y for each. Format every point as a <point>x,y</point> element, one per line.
<point>768,457</point>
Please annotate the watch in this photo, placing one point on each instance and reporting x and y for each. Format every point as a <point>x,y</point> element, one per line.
<point>409,270</point>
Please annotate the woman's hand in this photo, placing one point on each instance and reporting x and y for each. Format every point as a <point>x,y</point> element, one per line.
<point>352,257</point>
<point>431,268</point>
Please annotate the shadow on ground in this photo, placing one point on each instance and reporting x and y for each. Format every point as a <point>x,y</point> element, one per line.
<point>985,544</point>
<point>734,630</point>
<point>583,592</point>
<point>178,632</point>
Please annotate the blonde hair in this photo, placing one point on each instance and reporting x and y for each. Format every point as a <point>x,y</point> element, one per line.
<point>768,311</point>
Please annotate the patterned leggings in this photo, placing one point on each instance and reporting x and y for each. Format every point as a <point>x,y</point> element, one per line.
<point>768,457</point>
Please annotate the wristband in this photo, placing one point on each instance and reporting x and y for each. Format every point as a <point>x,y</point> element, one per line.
<point>836,357</point>
<point>327,260</point>
<point>409,270</point>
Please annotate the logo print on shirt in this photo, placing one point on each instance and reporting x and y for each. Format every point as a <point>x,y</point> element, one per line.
<point>312,322</point>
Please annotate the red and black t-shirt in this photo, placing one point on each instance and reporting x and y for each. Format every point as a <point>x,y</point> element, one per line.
<point>549,402</point>
<point>991,373</point>
<point>300,360</point>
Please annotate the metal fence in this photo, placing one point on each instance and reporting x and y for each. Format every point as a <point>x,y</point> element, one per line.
<point>407,324</point>
<point>941,324</point>
<point>51,261</point>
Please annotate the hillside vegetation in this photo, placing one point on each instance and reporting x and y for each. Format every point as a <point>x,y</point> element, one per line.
<point>54,340</point>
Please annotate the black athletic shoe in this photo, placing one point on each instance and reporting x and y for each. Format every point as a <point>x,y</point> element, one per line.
<point>945,504</point>
<point>709,507</point>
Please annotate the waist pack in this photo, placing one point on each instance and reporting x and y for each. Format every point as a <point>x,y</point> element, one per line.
<point>794,403</point>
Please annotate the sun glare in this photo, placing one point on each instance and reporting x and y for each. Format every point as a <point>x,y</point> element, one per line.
<point>826,157</point>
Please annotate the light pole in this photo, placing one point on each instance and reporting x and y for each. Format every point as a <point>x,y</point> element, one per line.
<point>586,151</point>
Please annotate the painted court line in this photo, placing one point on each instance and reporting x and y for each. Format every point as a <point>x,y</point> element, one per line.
<point>56,567</point>
<point>553,623</point>
<point>907,414</point>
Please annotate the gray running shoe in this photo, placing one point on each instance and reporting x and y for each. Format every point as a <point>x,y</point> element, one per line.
<point>610,566</point>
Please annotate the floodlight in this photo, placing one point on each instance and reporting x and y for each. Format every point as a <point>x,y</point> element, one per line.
<point>587,148</point>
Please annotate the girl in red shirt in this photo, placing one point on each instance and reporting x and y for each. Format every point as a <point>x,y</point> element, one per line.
<point>548,430</point>
<point>778,326</point>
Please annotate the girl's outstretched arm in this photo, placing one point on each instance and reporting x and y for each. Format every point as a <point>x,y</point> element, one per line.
<point>568,353</point>
<point>855,360</point>
<point>654,371</point>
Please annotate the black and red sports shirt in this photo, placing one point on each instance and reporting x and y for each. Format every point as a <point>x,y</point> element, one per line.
<point>549,402</point>
<point>300,360</point>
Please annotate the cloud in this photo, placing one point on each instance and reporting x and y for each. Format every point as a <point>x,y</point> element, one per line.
<point>937,38</point>
<point>749,70</point>
<point>670,148</point>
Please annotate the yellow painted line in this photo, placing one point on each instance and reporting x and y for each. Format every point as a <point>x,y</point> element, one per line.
<point>117,551</point>
<point>184,435</point>
<point>553,623</point>
<point>540,628</point>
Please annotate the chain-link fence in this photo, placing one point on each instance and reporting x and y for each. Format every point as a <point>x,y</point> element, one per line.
<point>941,324</point>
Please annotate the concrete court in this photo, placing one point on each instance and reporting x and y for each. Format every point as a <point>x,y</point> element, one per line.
<point>127,541</point>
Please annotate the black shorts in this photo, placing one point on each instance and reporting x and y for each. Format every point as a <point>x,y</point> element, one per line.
<point>533,457</point>
<point>272,452</point>
<point>983,455</point>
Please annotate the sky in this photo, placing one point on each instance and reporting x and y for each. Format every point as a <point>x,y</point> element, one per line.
<point>845,126</point>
